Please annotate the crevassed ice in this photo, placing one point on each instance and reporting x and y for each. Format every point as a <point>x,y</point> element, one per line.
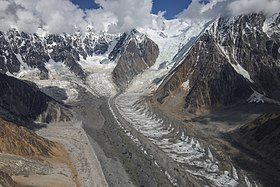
<point>183,149</point>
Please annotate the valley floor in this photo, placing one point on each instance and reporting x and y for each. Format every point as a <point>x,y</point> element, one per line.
<point>123,163</point>
<point>34,172</point>
<point>86,167</point>
<point>126,141</point>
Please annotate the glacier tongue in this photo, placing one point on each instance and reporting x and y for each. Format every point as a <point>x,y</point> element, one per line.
<point>187,151</point>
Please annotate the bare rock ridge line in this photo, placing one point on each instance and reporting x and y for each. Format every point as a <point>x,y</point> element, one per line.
<point>233,65</point>
<point>235,58</point>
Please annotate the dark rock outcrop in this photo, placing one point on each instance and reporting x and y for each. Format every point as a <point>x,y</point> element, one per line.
<point>234,57</point>
<point>118,47</point>
<point>23,102</point>
<point>136,53</point>
<point>8,60</point>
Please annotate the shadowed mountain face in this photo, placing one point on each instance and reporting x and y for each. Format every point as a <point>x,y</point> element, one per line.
<point>234,58</point>
<point>22,101</point>
<point>136,54</point>
<point>262,136</point>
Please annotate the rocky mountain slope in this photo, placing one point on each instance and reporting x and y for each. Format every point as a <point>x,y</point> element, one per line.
<point>22,141</point>
<point>235,58</point>
<point>137,53</point>
<point>23,102</point>
<point>261,136</point>
<point>24,154</point>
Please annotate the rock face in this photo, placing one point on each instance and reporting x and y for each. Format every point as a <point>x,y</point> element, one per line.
<point>235,57</point>
<point>22,101</point>
<point>262,136</point>
<point>22,51</point>
<point>118,47</point>
<point>134,53</point>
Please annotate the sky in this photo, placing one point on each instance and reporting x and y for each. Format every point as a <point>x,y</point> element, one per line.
<point>171,7</point>
<point>116,16</point>
<point>85,4</point>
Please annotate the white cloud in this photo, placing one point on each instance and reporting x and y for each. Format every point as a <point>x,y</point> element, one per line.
<point>129,13</point>
<point>27,21</point>
<point>198,10</point>
<point>99,19</point>
<point>159,19</point>
<point>215,8</point>
<point>57,16</point>
<point>4,5</point>
<point>268,7</point>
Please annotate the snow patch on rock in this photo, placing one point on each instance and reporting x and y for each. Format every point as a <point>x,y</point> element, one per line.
<point>240,70</point>
<point>256,97</point>
<point>186,85</point>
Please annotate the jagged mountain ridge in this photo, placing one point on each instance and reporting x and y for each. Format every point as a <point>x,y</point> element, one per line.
<point>22,52</point>
<point>236,83</point>
<point>235,57</point>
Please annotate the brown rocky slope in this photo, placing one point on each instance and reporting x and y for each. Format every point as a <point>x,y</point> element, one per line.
<point>22,143</point>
